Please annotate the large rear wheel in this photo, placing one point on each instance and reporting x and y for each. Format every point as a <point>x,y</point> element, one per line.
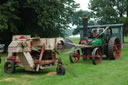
<point>114,48</point>
<point>96,56</point>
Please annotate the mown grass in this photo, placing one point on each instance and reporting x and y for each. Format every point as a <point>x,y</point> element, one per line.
<point>109,72</point>
<point>75,40</point>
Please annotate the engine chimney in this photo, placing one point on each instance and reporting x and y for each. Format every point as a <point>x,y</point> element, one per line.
<point>85,27</point>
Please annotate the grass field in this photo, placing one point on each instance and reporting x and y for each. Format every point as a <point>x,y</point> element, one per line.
<point>109,72</point>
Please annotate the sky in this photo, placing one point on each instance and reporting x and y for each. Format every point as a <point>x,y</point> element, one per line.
<point>83,4</point>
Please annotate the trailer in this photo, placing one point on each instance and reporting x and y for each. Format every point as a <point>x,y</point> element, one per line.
<point>34,54</point>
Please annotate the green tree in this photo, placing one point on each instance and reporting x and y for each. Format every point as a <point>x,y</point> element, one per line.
<point>77,20</point>
<point>110,11</point>
<point>44,18</point>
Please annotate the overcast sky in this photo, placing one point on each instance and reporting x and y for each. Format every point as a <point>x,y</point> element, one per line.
<point>83,4</point>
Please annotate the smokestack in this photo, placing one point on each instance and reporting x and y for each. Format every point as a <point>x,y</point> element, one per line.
<point>85,27</point>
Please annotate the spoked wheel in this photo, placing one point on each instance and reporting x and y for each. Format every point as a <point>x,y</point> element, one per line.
<point>96,56</point>
<point>9,67</point>
<point>114,48</point>
<point>60,70</point>
<point>74,56</point>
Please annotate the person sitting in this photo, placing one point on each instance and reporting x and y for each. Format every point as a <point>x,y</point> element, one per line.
<point>94,34</point>
<point>89,35</point>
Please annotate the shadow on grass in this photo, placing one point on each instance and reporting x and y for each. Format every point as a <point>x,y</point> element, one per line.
<point>89,61</point>
<point>20,71</point>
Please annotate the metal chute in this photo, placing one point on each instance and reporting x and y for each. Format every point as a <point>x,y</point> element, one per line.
<point>68,44</point>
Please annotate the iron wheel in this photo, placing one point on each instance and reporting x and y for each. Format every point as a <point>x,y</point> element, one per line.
<point>74,56</point>
<point>114,48</point>
<point>9,67</point>
<point>60,70</point>
<point>96,56</point>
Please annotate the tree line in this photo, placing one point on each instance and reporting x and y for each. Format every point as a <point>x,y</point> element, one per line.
<point>44,18</point>
<point>105,12</point>
<point>50,18</point>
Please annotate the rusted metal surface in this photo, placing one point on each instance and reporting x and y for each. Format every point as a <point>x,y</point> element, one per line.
<point>44,62</point>
<point>40,58</point>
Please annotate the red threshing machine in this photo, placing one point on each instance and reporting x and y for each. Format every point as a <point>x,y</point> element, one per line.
<point>33,54</point>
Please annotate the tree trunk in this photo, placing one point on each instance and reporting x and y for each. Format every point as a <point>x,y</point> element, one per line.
<point>121,13</point>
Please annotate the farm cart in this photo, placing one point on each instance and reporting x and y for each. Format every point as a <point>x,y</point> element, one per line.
<point>95,44</point>
<point>33,54</point>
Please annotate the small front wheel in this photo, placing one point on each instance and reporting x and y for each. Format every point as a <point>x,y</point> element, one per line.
<point>60,70</point>
<point>96,56</point>
<point>74,56</point>
<point>9,67</point>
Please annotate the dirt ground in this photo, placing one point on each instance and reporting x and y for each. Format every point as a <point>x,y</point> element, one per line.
<point>9,79</point>
<point>51,74</point>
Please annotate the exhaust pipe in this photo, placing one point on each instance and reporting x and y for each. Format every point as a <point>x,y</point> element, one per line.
<point>85,27</point>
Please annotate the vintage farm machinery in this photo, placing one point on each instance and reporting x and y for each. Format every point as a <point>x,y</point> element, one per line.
<point>34,54</point>
<point>95,44</point>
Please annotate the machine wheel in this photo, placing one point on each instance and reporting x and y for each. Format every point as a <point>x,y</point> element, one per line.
<point>84,42</point>
<point>108,34</point>
<point>74,57</point>
<point>9,67</point>
<point>60,70</point>
<point>114,48</point>
<point>96,56</point>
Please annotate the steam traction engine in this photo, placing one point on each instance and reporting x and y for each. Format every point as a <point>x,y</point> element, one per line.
<point>96,42</point>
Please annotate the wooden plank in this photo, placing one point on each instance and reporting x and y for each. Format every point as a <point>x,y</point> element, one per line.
<point>26,61</point>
